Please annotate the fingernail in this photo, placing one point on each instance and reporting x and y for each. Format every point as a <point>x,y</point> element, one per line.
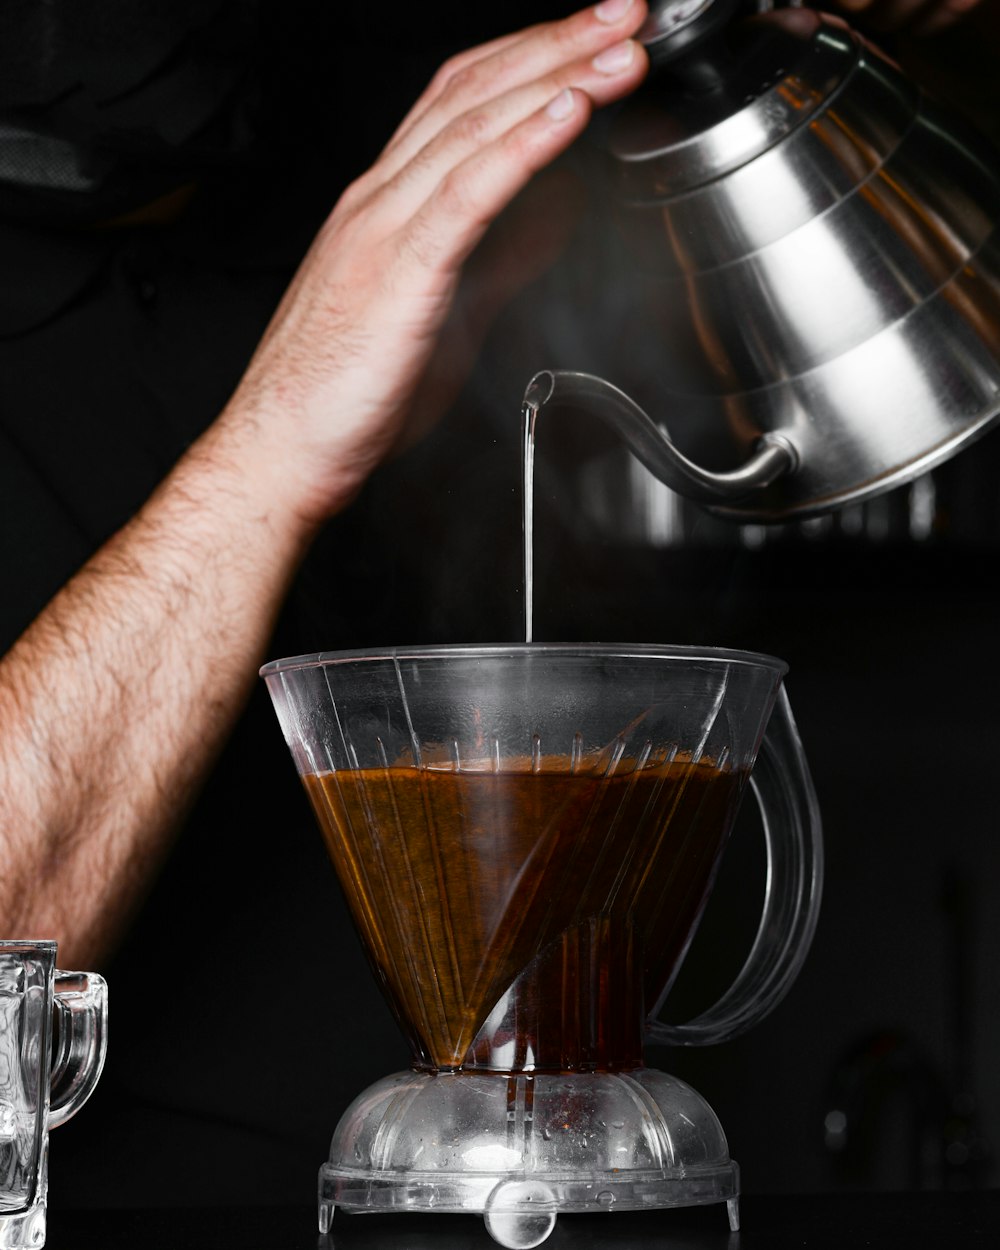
<point>615,59</point>
<point>561,106</point>
<point>611,11</point>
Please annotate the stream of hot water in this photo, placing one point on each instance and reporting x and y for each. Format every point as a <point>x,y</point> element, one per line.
<point>529,418</point>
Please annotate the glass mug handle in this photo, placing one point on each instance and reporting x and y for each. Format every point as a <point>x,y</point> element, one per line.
<point>81,1009</point>
<point>792,832</point>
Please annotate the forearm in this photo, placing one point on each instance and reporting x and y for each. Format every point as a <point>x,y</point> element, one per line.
<point>116,700</point>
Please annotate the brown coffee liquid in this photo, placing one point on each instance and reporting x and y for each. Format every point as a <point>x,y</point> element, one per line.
<point>526,919</point>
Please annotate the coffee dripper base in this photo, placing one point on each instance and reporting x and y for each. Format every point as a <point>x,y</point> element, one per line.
<point>521,1148</point>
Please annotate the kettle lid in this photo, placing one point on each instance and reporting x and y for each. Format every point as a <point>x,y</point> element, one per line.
<point>675,26</point>
<point>723,89</point>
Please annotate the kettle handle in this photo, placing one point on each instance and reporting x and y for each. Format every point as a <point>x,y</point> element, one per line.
<point>792,832</point>
<point>773,455</point>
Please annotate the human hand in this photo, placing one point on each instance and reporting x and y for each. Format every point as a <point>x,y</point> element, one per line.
<point>333,381</point>
<point>917,17</point>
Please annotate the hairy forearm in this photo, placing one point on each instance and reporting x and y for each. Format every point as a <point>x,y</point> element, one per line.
<point>115,701</point>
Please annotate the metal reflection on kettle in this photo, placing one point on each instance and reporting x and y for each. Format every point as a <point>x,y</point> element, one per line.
<point>817,243</point>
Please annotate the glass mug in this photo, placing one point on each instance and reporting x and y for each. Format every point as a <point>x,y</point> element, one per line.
<point>53,1038</point>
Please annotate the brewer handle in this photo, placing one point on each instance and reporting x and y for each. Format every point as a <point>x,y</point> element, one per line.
<point>793,834</point>
<point>81,1011</point>
<point>773,456</point>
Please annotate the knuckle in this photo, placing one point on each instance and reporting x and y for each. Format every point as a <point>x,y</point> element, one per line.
<point>354,195</point>
<point>519,146</point>
<point>447,70</point>
<point>419,243</point>
<point>473,128</point>
<point>461,80</point>
<point>453,78</point>
<point>456,195</point>
<point>565,36</point>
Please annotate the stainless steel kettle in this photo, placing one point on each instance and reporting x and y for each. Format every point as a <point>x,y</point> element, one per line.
<point>817,241</point>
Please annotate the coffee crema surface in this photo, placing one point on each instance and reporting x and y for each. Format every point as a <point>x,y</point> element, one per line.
<point>528,917</point>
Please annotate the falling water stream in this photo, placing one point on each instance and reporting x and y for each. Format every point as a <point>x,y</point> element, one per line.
<point>529,418</point>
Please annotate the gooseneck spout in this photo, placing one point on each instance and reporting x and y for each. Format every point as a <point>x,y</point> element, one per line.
<point>772,457</point>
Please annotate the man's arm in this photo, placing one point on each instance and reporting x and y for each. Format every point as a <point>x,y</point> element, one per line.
<point>117,699</point>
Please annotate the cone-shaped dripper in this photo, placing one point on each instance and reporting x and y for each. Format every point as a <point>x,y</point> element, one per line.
<point>526,836</point>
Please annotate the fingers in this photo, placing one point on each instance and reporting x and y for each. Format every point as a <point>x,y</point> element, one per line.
<point>553,54</point>
<point>462,204</point>
<point>457,64</point>
<point>362,322</point>
<point>605,77</point>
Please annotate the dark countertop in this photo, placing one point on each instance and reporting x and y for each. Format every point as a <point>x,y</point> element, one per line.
<point>944,1221</point>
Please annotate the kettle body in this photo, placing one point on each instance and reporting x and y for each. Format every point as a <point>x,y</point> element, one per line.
<point>819,259</point>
